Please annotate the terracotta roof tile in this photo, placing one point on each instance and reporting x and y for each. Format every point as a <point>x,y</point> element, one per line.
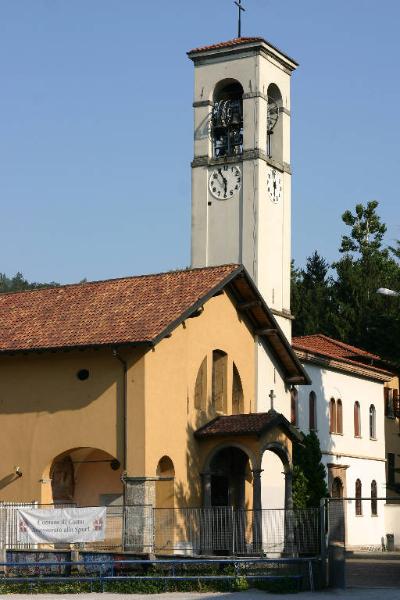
<point>228,44</point>
<point>246,424</point>
<point>322,344</point>
<point>116,311</point>
<point>325,346</point>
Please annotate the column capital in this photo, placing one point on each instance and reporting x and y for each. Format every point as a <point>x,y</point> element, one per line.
<point>257,472</point>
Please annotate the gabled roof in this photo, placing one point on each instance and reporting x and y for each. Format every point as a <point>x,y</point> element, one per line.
<point>115,311</point>
<point>330,347</point>
<point>133,311</point>
<point>323,348</point>
<point>253,424</point>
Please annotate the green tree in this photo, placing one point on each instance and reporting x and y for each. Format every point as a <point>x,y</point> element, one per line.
<point>18,283</point>
<point>312,302</point>
<point>362,317</point>
<point>309,474</point>
<point>367,231</point>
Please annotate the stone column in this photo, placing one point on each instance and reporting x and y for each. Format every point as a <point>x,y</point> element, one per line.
<point>140,493</point>
<point>257,511</point>
<point>290,547</point>
<point>288,489</point>
<point>206,485</point>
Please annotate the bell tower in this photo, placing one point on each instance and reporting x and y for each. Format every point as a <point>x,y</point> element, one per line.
<point>241,176</point>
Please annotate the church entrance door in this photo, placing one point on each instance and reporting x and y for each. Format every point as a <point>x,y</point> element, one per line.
<point>228,469</point>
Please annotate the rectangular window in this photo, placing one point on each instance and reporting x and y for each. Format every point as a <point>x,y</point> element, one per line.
<point>389,403</point>
<point>391,468</point>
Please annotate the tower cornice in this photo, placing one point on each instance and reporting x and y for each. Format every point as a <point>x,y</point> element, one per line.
<point>244,46</point>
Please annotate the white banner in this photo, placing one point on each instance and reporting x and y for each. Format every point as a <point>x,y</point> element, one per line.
<point>61,525</point>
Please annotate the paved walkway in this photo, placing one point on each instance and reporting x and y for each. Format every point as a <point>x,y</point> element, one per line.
<point>361,594</point>
<point>373,572</point>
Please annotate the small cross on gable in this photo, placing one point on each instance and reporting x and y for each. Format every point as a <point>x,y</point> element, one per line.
<point>272,397</point>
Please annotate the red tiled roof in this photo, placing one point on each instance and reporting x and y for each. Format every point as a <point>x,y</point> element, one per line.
<point>116,311</point>
<point>239,42</point>
<point>229,44</point>
<point>324,345</point>
<point>245,424</point>
<point>330,348</point>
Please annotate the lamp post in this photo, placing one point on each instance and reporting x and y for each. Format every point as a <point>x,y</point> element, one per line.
<point>387,292</point>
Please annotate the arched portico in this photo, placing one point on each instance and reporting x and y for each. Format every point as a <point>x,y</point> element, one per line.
<point>84,477</point>
<point>277,476</point>
<point>254,435</point>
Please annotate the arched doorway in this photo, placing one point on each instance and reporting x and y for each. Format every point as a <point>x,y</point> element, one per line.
<point>276,533</point>
<point>276,478</point>
<point>337,488</point>
<point>230,477</point>
<point>83,477</point>
<point>229,469</point>
<point>337,525</point>
<point>165,483</point>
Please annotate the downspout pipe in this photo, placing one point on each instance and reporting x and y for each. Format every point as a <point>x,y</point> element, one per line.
<point>124,364</point>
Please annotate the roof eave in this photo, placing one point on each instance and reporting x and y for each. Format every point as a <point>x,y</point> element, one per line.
<point>71,347</point>
<point>213,51</point>
<point>343,365</point>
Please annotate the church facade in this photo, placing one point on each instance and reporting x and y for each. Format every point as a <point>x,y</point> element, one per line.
<point>140,389</point>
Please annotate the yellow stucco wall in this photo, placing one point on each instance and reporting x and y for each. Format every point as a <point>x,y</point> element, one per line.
<point>171,417</point>
<point>45,410</point>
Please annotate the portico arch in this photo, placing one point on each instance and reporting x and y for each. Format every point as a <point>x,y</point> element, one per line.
<point>276,481</point>
<point>83,477</point>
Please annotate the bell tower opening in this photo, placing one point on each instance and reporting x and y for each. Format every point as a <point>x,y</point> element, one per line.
<point>274,123</point>
<point>226,123</point>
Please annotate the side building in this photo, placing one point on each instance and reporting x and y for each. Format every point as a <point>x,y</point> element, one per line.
<point>345,406</point>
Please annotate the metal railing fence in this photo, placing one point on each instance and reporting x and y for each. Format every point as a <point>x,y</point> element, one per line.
<point>188,531</point>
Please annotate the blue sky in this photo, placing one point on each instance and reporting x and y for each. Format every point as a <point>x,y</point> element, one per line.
<point>96,126</point>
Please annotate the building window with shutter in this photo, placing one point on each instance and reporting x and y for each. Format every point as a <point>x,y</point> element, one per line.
<point>374,501</point>
<point>312,408</point>
<point>396,404</point>
<point>391,468</point>
<point>357,420</point>
<point>389,408</point>
<point>200,390</point>
<point>219,376</point>
<point>372,422</point>
<point>358,498</point>
<point>339,417</point>
<point>332,416</point>
<point>293,406</point>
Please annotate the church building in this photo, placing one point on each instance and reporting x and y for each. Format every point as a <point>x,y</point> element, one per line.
<point>181,389</point>
<point>173,389</point>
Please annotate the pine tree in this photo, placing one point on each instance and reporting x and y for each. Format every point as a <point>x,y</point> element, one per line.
<point>311,297</point>
<point>363,318</point>
<point>309,474</point>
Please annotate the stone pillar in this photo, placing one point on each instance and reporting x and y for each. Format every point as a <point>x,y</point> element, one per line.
<point>206,484</point>
<point>257,511</point>
<point>140,494</point>
<point>290,547</point>
<point>288,489</point>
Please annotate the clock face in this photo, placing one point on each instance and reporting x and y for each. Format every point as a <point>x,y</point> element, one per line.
<point>274,185</point>
<point>225,181</point>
